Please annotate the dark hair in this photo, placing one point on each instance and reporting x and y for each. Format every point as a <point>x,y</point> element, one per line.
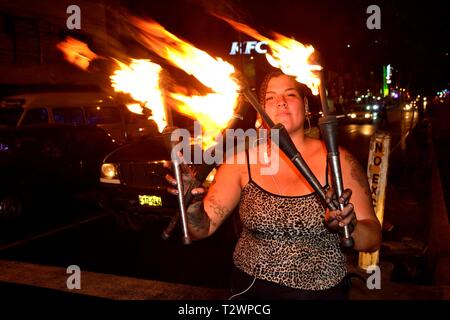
<point>301,88</point>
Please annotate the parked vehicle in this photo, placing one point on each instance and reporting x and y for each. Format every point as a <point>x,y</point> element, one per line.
<point>40,164</point>
<point>133,184</point>
<point>75,108</point>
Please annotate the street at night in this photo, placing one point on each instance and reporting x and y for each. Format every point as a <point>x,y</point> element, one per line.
<point>86,107</point>
<point>80,233</point>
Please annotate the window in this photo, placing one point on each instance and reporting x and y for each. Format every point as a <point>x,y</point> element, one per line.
<point>19,40</point>
<point>68,115</point>
<point>102,115</point>
<point>35,116</point>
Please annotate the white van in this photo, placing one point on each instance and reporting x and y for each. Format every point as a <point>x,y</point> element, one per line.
<point>75,108</point>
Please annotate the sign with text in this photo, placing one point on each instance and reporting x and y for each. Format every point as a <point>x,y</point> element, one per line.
<point>248,47</point>
<point>377,169</point>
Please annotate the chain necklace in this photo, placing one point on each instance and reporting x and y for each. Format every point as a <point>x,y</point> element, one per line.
<point>276,185</point>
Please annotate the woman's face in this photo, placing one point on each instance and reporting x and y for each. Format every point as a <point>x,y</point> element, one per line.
<point>284,104</point>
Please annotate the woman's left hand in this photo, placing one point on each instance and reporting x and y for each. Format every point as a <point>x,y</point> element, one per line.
<point>335,219</point>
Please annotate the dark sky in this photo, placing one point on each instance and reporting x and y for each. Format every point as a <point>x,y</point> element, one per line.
<point>414,37</point>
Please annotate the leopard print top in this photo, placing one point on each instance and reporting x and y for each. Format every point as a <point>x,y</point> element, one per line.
<point>284,240</point>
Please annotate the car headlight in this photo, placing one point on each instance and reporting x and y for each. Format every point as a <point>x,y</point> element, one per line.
<point>352,115</point>
<point>109,173</point>
<point>367,115</point>
<point>375,107</point>
<point>367,107</point>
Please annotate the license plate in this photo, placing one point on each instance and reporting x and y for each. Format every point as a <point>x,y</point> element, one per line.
<point>151,201</point>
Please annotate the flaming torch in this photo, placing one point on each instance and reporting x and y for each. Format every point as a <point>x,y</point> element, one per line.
<point>215,111</point>
<point>141,79</point>
<point>293,58</point>
<point>77,52</point>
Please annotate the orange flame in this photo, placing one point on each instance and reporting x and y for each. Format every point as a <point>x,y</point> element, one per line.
<point>77,52</point>
<point>289,55</point>
<point>141,80</point>
<point>213,110</point>
<point>135,108</point>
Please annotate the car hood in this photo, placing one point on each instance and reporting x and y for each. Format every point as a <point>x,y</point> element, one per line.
<point>143,150</point>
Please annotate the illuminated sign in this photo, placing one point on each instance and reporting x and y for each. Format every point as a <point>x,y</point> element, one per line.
<point>247,47</point>
<point>388,74</point>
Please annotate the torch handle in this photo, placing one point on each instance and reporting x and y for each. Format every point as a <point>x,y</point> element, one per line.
<point>328,128</point>
<point>167,233</point>
<point>181,202</point>
<point>177,165</point>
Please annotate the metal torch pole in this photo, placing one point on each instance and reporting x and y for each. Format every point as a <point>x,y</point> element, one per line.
<point>328,127</point>
<point>181,203</point>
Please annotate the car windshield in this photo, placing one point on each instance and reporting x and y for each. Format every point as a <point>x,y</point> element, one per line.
<point>10,116</point>
<point>102,115</point>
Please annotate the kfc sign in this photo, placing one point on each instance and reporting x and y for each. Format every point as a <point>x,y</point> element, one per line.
<point>246,47</point>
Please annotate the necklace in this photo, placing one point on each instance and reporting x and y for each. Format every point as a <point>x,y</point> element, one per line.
<point>276,185</point>
<point>267,160</point>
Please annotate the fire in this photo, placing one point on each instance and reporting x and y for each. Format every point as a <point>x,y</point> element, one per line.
<point>135,108</point>
<point>213,110</point>
<point>289,55</point>
<point>77,52</point>
<point>141,80</point>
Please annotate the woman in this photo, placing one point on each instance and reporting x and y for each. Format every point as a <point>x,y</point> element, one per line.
<point>289,245</point>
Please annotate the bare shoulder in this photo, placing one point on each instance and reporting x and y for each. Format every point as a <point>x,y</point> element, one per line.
<point>233,169</point>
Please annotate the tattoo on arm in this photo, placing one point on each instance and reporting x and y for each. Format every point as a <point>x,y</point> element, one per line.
<point>219,210</point>
<point>197,217</point>
<point>357,173</point>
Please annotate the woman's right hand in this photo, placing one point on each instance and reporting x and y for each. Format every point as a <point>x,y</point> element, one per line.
<point>335,219</point>
<point>188,181</point>
<point>198,220</point>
